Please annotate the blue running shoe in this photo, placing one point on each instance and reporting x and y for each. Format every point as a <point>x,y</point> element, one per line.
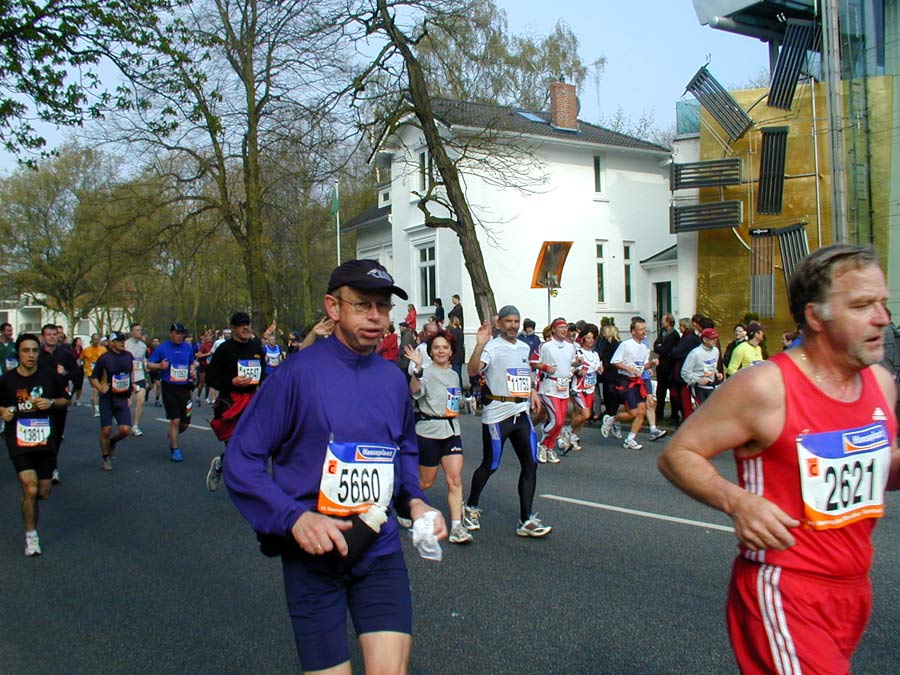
<point>176,455</point>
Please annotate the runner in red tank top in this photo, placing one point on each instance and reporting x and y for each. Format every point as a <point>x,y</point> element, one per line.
<point>814,433</point>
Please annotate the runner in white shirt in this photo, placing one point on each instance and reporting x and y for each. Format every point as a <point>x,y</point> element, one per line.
<point>585,383</point>
<point>555,367</point>
<point>503,361</point>
<point>630,360</point>
<point>136,346</point>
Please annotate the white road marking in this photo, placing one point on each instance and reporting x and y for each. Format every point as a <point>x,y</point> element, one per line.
<point>192,426</point>
<point>645,514</point>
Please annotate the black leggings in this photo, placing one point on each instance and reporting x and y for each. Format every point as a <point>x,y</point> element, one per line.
<point>523,439</point>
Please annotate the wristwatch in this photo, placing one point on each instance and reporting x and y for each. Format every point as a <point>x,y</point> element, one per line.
<point>419,372</point>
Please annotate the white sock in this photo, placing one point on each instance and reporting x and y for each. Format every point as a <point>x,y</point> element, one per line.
<point>454,523</point>
<point>630,436</point>
<point>30,533</point>
<point>653,428</point>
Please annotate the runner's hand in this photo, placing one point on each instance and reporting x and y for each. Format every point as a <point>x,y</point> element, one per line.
<point>418,508</point>
<point>761,525</point>
<point>413,355</point>
<point>484,334</point>
<point>241,381</point>
<point>318,534</point>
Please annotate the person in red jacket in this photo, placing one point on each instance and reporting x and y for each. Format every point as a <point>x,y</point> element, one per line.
<point>814,437</point>
<point>389,347</point>
<point>411,317</point>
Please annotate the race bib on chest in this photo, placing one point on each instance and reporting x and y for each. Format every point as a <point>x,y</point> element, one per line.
<point>11,364</point>
<point>590,380</point>
<point>843,475</point>
<point>31,432</point>
<point>518,382</point>
<point>121,383</point>
<point>250,368</point>
<point>354,476</point>
<point>178,374</point>
<point>137,370</point>
<point>272,360</point>
<point>562,384</point>
<point>454,397</point>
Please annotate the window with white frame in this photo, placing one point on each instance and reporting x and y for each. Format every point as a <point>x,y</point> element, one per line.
<point>601,271</point>
<point>427,265</point>
<point>426,171</point>
<point>627,254</point>
<point>599,173</point>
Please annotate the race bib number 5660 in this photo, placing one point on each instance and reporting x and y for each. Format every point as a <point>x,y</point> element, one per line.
<point>354,476</point>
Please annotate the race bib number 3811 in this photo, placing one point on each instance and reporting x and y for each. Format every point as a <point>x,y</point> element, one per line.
<point>354,476</point>
<point>843,475</point>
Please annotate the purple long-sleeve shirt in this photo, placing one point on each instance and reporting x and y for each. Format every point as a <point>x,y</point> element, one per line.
<point>325,390</point>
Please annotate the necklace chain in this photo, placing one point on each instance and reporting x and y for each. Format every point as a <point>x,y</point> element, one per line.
<point>821,379</point>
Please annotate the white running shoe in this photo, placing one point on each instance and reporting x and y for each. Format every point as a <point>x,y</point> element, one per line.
<point>136,431</point>
<point>533,527</point>
<point>607,426</point>
<point>542,454</point>
<point>656,435</point>
<point>32,545</point>
<point>471,518</point>
<point>96,411</point>
<point>214,475</point>
<point>631,444</point>
<point>616,429</point>
<point>552,457</point>
<point>460,535</point>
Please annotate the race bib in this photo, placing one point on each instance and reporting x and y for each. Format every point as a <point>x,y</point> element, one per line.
<point>250,368</point>
<point>518,382</point>
<point>562,384</point>
<point>32,431</point>
<point>120,383</point>
<point>272,360</point>
<point>590,380</point>
<point>137,370</point>
<point>709,368</point>
<point>454,397</point>
<point>354,476</point>
<point>11,364</point>
<point>843,475</point>
<point>178,374</point>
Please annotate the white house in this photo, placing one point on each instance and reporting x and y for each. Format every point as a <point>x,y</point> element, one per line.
<point>559,179</point>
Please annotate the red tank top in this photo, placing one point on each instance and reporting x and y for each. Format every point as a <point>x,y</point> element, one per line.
<point>828,469</point>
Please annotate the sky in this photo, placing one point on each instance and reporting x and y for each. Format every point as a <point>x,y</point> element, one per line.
<point>652,47</point>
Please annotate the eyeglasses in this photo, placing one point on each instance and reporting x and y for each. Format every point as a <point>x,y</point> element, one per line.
<point>365,306</point>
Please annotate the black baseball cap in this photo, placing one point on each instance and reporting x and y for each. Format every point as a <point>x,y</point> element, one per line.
<point>240,318</point>
<point>364,275</point>
<point>177,328</point>
<point>116,336</point>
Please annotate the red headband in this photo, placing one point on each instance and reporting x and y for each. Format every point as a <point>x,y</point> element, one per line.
<point>559,321</point>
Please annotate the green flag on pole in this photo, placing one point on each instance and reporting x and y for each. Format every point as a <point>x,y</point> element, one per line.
<point>335,201</point>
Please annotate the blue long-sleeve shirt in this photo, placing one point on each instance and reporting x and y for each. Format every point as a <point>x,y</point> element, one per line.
<point>325,390</point>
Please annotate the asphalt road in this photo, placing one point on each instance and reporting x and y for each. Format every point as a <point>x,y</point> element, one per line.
<point>144,571</point>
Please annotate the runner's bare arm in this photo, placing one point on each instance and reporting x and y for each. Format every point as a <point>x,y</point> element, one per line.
<point>889,389</point>
<point>745,413</point>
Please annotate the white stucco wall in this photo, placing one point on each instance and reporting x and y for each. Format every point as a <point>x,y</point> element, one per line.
<point>684,299</point>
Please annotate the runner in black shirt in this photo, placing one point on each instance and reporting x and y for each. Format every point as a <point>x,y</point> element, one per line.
<point>111,378</point>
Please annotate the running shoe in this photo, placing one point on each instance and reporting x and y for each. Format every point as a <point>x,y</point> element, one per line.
<point>32,545</point>
<point>112,448</point>
<point>552,457</point>
<point>631,444</point>
<point>471,517</point>
<point>616,429</point>
<point>96,411</point>
<point>54,478</point>
<point>176,454</point>
<point>460,535</point>
<point>656,435</point>
<point>576,446</point>
<point>106,464</point>
<point>533,527</point>
<point>136,431</point>
<point>607,426</point>
<point>542,453</point>
<point>214,475</point>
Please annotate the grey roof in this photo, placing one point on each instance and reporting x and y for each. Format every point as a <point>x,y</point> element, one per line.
<point>377,215</point>
<point>482,116</point>
<point>666,255</point>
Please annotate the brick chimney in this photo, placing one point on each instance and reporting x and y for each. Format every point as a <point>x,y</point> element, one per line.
<point>563,105</point>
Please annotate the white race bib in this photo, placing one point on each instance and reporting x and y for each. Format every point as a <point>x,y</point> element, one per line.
<point>178,374</point>
<point>354,476</point>
<point>843,475</point>
<point>250,368</point>
<point>454,397</point>
<point>120,383</point>
<point>137,370</point>
<point>272,360</point>
<point>562,384</point>
<point>32,431</point>
<point>11,363</point>
<point>518,382</point>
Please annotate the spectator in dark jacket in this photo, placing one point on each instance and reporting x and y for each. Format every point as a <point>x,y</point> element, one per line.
<point>606,347</point>
<point>664,346</point>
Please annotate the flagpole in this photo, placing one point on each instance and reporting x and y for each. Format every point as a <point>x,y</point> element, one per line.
<point>337,220</point>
